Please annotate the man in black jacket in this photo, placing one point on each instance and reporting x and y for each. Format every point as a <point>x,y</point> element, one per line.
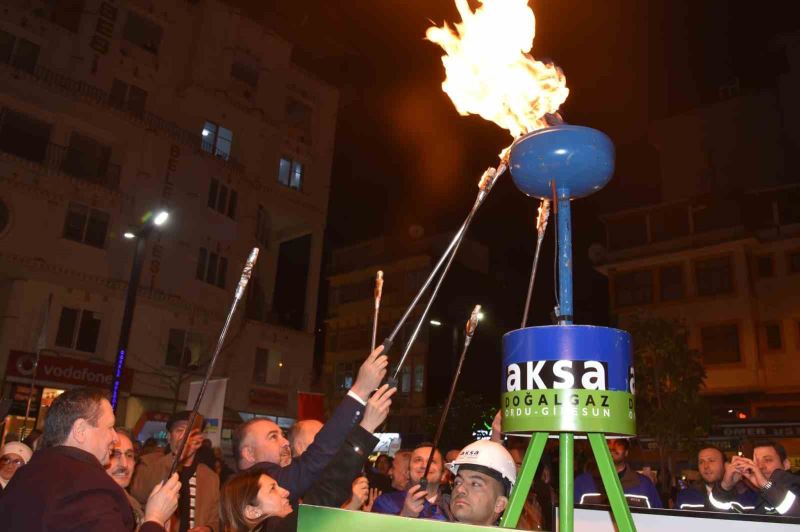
<point>65,486</point>
<point>260,442</point>
<point>769,474</point>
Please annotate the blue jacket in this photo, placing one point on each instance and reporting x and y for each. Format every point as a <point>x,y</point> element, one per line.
<point>638,489</point>
<point>696,498</point>
<point>392,503</point>
<point>304,471</point>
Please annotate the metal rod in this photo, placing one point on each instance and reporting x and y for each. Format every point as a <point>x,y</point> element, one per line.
<point>378,294</point>
<point>485,185</point>
<point>472,324</point>
<point>541,227</point>
<point>41,342</point>
<point>613,486</point>
<point>240,288</point>
<point>566,482</point>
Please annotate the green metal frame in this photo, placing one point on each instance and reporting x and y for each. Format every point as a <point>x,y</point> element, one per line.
<point>566,511</point>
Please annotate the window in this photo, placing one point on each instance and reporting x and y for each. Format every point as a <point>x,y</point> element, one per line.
<point>191,345</point>
<point>222,199</point>
<point>262,227</point>
<point>345,372</point>
<point>217,140</point>
<point>20,53</point>
<point>78,329</point>
<point>290,173</point>
<point>765,266</point>
<point>88,159</point>
<point>633,288</point>
<point>86,225</point>
<point>23,136</point>
<point>419,378</point>
<point>127,97</point>
<point>246,73</point>
<point>713,276</point>
<point>211,268</point>
<point>267,367</point>
<point>142,32</point>
<point>773,337</point>
<point>298,119</point>
<point>671,283</point>
<point>794,262</point>
<point>67,14</point>
<point>720,344</point>
<point>405,381</point>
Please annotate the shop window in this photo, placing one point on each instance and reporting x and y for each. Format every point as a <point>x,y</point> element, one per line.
<point>86,225</point>
<point>633,288</point>
<point>78,329</point>
<point>720,344</point>
<point>713,276</point>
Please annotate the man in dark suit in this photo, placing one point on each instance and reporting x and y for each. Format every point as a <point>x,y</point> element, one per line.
<point>65,486</point>
<point>260,442</point>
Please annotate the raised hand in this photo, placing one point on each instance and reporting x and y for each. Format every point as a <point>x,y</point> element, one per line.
<point>378,408</point>
<point>749,471</point>
<point>374,493</point>
<point>163,501</point>
<point>360,494</point>
<point>371,373</point>
<point>415,501</point>
<point>731,476</point>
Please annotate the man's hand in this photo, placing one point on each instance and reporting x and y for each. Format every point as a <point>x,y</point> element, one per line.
<point>163,501</point>
<point>731,476</point>
<point>415,502</point>
<point>370,374</point>
<point>749,471</point>
<point>374,493</point>
<point>360,494</point>
<point>378,408</point>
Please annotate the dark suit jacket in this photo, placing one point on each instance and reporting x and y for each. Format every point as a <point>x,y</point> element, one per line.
<point>66,489</point>
<point>301,474</point>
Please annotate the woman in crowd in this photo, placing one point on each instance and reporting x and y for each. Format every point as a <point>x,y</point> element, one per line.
<point>252,501</point>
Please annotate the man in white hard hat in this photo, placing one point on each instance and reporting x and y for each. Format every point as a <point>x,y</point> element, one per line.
<point>484,475</point>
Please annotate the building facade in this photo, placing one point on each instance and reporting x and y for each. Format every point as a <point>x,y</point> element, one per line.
<point>113,110</point>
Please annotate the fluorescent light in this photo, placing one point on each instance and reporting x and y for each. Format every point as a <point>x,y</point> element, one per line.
<point>436,323</point>
<point>206,132</point>
<point>480,316</point>
<point>161,218</point>
<point>129,235</point>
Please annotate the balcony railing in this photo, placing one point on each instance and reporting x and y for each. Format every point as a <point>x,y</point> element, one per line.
<point>88,93</point>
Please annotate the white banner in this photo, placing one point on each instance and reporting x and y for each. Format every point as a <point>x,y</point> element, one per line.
<point>212,406</point>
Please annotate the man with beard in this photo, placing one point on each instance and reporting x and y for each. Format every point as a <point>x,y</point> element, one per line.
<point>484,475</point>
<point>711,463</point>
<point>198,505</point>
<point>65,486</point>
<point>639,490</point>
<point>769,473</point>
<point>122,461</point>
<point>415,501</point>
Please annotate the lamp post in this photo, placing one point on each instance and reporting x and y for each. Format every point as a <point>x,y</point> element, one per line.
<point>130,297</point>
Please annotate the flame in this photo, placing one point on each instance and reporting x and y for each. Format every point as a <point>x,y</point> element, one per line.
<point>490,71</point>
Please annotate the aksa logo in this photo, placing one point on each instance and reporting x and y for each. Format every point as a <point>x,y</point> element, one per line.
<point>557,374</point>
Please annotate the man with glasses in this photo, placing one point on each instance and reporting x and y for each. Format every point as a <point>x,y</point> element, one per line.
<point>13,456</point>
<point>121,463</point>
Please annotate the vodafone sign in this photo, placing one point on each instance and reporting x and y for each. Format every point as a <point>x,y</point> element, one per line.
<point>64,370</point>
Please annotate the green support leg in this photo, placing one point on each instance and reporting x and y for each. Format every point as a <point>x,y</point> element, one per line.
<point>566,482</point>
<point>524,480</point>
<point>619,505</point>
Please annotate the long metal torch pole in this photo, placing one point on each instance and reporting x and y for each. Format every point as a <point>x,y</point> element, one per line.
<point>541,227</point>
<point>472,324</point>
<point>240,288</point>
<point>376,312</point>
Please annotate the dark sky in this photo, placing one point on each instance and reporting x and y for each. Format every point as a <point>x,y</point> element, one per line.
<point>405,157</point>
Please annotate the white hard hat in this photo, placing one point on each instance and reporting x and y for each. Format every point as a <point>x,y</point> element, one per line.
<point>18,448</point>
<point>489,455</point>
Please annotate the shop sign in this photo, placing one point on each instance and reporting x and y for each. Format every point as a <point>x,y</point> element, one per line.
<point>64,370</point>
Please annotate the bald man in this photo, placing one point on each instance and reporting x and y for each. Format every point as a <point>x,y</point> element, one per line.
<point>302,434</point>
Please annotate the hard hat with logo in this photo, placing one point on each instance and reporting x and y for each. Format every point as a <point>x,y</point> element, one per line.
<point>487,457</point>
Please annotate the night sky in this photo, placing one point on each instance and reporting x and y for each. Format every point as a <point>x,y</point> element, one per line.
<point>405,157</point>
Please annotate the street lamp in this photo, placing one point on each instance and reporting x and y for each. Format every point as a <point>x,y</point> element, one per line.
<point>140,236</point>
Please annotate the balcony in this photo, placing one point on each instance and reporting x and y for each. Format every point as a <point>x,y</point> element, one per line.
<point>87,93</point>
<point>704,219</point>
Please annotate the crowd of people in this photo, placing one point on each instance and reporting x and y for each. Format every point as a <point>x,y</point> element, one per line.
<point>86,475</point>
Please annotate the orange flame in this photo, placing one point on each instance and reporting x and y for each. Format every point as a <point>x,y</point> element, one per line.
<point>490,71</point>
